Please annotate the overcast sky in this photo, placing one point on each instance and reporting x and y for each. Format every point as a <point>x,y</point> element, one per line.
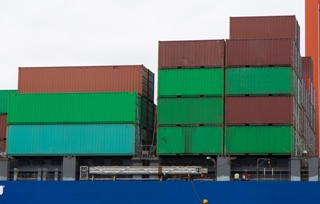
<point>105,32</point>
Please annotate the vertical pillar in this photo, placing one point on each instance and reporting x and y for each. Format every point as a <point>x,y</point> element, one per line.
<point>313,168</point>
<point>223,170</point>
<point>4,166</point>
<point>295,169</point>
<point>137,163</point>
<point>69,169</point>
<point>154,163</point>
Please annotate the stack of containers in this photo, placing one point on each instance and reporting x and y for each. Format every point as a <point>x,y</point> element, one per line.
<point>263,74</point>
<point>307,76</point>
<point>190,97</point>
<point>4,95</point>
<point>81,111</point>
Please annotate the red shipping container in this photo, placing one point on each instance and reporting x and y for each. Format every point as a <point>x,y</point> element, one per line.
<point>129,78</point>
<point>260,110</point>
<point>3,126</point>
<point>265,27</point>
<point>307,82</point>
<point>307,67</point>
<point>191,54</point>
<point>3,144</point>
<point>261,53</point>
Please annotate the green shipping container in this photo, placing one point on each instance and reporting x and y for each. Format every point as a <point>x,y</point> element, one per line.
<point>190,140</point>
<point>261,81</point>
<point>259,140</point>
<point>4,95</point>
<point>191,82</point>
<point>188,111</point>
<point>76,108</point>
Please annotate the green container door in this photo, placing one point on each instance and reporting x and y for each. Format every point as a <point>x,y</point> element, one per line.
<point>260,81</point>
<point>259,140</point>
<point>189,140</point>
<point>188,111</point>
<point>4,97</point>
<point>79,108</point>
<point>191,82</point>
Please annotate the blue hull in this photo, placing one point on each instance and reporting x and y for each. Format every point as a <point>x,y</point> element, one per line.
<point>159,192</point>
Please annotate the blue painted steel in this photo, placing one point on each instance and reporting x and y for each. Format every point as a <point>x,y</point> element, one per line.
<point>78,140</point>
<point>157,192</point>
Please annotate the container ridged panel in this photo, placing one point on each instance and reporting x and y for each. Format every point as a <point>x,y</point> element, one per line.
<point>188,111</point>
<point>78,140</point>
<point>189,140</point>
<point>191,54</point>
<point>3,126</point>
<point>73,108</point>
<point>191,82</point>
<point>4,96</point>
<point>260,81</point>
<point>259,140</point>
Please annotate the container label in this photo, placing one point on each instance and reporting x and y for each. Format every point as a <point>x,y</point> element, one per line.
<point>1,189</point>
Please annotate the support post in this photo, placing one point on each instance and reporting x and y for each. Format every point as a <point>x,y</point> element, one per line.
<point>137,163</point>
<point>39,174</point>
<point>44,175</point>
<point>313,168</point>
<point>69,169</point>
<point>223,170</point>
<point>295,167</point>
<point>4,166</point>
<point>154,163</point>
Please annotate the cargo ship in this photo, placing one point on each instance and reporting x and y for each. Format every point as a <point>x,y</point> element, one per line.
<point>235,122</point>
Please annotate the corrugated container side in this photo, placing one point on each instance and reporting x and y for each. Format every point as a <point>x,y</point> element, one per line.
<point>259,110</point>
<point>74,108</point>
<point>131,78</point>
<point>78,140</point>
<point>261,52</point>
<point>261,27</point>
<point>190,140</point>
<point>191,54</point>
<point>151,85</point>
<point>313,95</point>
<point>307,67</point>
<point>307,83</point>
<point>260,81</point>
<point>259,140</point>
<point>191,82</point>
<point>3,126</point>
<point>190,111</point>
<point>3,145</point>
<point>4,97</point>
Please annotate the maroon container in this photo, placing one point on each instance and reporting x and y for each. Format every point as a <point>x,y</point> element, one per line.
<point>3,126</point>
<point>261,53</point>
<point>191,54</point>
<point>307,82</point>
<point>131,78</point>
<point>3,144</point>
<point>264,27</point>
<point>307,67</point>
<point>260,110</point>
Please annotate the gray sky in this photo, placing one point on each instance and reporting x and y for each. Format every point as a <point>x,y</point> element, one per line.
<point>105,32</point>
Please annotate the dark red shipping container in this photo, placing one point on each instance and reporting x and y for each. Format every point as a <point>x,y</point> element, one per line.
<point>307,83</point>
<point>3,126</point>
<point>128,78</point>
<point>3,144</point>
<point>261,53</point>
<point>191,54</point>
<point>260,110</point>
<point>307,67</point>
<point>264,27</point>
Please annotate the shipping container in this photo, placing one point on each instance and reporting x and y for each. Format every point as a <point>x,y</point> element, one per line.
<point>3,145</point>
<point>151,85</point>
<point>307,83</point>
<point>307,67</point>
<point>4,95</point>
<point>261,53</point>
<point>130,78</point>
<point>191,82</point>
<point>190,140</point>
<point>265,27</point>
<point>190,111</point>
<point>77,140</point>
<point>260,140</point>
<point>261,81</point>
<point>313,95</point>
<point>260,110</point>
<point>57,108</point>
<point>3,126</point>
<point>191,54</point>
